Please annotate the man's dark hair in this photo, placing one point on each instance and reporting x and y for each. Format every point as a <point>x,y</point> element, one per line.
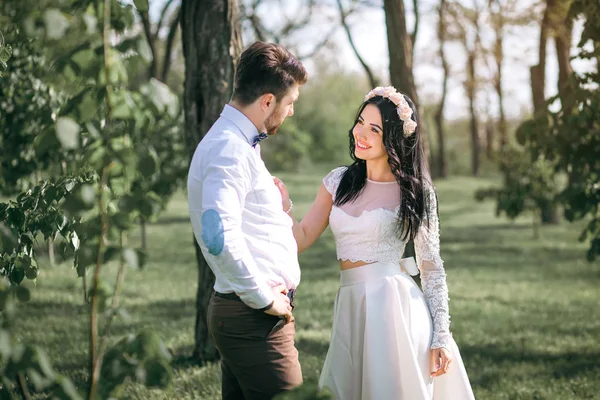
<point>266,68</point>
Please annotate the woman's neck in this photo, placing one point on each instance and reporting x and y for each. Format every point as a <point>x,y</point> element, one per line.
<point>380,171</point>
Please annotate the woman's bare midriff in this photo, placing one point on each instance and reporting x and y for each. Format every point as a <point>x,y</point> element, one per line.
<point>346,264</point>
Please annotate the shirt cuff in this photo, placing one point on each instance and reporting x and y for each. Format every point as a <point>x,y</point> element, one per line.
<point>258,299</point>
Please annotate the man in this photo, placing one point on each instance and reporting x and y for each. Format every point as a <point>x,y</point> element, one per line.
<point>245,235</point>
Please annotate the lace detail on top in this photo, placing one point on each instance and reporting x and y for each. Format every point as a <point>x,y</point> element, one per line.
<point>433,275</point>
<point>332,180</point>
<point>372,237</point>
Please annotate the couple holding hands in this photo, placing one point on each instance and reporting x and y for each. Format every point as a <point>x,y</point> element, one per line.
<point>390,339</point>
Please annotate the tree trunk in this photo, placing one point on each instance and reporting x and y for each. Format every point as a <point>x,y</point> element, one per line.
<point>51,256</point>
<point>474,123</point>
<point>499,23</point>
<point>538,72</point>
<point>562,30</point>
<point>489,138</point>
<point>442,165</point>
<point>143,234</point>
<point>563,33</point>
<point>401,60</point>
<point>211,45</point>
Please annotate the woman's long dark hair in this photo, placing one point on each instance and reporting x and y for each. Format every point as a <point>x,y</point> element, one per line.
<point>407,160</point>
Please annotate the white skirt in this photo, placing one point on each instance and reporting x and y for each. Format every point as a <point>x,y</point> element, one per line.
<point>380,339</point>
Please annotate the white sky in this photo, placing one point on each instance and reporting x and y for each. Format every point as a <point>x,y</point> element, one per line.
<point>369,34</point>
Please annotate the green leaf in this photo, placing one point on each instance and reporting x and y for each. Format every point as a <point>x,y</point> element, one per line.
<point>111,253</point>
<point>90,22</point>
<point>32,272</point>
<point>122,220</point>
<point>4,298</point>
<point>161,97</point>
<point>144,50</point>
<point>5,341</point>
<point>67,131</point>
<point>131,258</point>
<point>155,373</point>
<point>17,275</point>
<point>126,204</point>
<point>65,389</point>
<point>141,5</point>
<point>5,53</point>
<point>88,194</point>
<point>85,60</point>
<point>56,24</point>
<point>122,105</point>
<point>23,294</point>
<point>148,163</point>
<point>45,143</point>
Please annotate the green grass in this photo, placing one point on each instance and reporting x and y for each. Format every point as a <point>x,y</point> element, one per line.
<point>525,312</point>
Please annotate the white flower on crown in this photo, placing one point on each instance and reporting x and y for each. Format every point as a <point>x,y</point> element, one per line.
<point>402,107</point>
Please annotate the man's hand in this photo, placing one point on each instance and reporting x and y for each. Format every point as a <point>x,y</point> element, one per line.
<point>440,360</point>
<point>281,305</point>
<point>285,195</point>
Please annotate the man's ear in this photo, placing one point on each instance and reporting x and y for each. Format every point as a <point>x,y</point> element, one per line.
<point>267,101</point>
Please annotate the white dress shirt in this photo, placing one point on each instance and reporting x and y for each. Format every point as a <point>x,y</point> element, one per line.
<point>237,216</point>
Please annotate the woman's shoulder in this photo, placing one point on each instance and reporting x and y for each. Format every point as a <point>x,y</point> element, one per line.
<point>338,172</point>
<point>333,178</point>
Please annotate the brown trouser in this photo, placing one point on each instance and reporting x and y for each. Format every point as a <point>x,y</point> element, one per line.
<point>259,359</point>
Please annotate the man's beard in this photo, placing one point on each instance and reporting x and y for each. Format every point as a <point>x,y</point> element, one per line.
<point>272,123</point>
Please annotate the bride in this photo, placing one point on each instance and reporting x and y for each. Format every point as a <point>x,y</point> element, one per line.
<point>389,340</point>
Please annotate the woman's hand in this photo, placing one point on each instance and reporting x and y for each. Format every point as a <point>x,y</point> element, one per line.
<point>285,195</point>
<point>439,361</point>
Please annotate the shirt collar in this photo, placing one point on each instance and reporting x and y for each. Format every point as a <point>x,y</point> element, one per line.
<point>245,126</point>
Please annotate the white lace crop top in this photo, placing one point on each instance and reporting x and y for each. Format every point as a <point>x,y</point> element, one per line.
<point>365,230</point>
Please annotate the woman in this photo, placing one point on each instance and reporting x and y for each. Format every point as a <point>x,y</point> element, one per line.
<point>390,340</point>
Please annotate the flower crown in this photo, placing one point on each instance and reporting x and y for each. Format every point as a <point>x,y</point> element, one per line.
<point>404,110</point>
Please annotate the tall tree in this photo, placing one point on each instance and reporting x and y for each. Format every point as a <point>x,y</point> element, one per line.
<point>562,31</point>
<point>441,161</point>
<point>497,11</point>
<point>400,46</point>
<point>211,35</point>
<point>538,71</point>
<point>465,22</point>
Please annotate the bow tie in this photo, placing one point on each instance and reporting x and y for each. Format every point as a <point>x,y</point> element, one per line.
<point>259,138</point>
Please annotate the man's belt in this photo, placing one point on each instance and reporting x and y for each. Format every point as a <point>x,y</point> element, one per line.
<point>232,296</point>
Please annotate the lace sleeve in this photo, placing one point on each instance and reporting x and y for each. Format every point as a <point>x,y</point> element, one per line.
<point>332,180</point>
<point>433,275</point>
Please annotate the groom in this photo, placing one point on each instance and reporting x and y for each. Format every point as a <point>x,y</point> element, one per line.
<point>245,236</point>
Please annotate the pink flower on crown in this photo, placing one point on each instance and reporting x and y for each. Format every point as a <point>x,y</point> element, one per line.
<point>404,109</point>
<point>396,98</point>
<point>405,113</point>
<point>409,127</point>
<point>388,91</point>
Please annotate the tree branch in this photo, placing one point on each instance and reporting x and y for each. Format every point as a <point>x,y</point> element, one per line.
<point>169,45</point>
<point>372,79</point>
<point>413,35</point>
<point>151,41</point>
<point>163,16</point>
<point>259,30</point>
<point>319,45</point>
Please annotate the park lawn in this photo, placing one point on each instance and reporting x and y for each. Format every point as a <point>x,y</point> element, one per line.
<point>525,312</point>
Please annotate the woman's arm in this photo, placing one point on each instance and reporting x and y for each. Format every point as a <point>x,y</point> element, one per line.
<point>314,222</point>
<point>433,275</point>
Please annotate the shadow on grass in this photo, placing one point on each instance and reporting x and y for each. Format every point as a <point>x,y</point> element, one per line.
<point>312,347</point>
<point>561,365</point>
